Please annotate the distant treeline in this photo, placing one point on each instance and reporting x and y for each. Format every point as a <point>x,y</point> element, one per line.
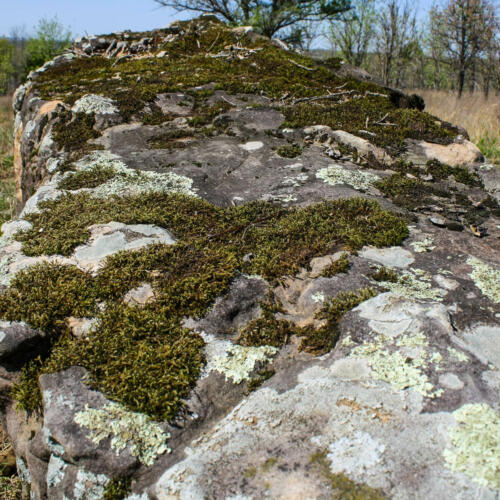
<point>19,53</point>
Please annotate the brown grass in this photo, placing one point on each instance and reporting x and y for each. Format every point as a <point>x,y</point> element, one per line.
<point>7,184</point>
<point>479,116</point>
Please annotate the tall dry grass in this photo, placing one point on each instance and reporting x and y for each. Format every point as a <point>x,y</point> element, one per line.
<point>7,184</point>
<point>479,116</point>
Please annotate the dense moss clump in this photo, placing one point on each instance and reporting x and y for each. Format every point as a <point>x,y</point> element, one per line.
<point>171,139</point>
<point>441,171</point>
<point>143,357</point>
<point>385,274</point>
<point>322,340</point>
<point>341,265</point>
<point>291,151</point>
<point>118,488</point>
<point>89,178</point>
<point>72,132</point>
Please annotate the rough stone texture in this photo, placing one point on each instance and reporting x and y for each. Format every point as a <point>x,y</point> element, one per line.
<point>393,406</point>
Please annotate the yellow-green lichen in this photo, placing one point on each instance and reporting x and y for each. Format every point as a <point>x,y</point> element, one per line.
<point>475,441</point>
<point>336,174</point>
<point>401,362</point>
<point>458,355</point>
<point>425,245</point>
<point>415,283</point>
<point>239,362</point>
<point>485,278</point>
<point>145,439</point>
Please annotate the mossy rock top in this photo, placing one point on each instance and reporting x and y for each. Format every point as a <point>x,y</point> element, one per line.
<point>224,243</point>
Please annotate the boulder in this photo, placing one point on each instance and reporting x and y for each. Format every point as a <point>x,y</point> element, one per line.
<point>231,278</point>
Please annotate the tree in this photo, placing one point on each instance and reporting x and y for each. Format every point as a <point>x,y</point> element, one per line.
<point>50,40</point>
<point>267,17</point>
<point>463,28</point>
<point>397,34</point>
<point>354,31</point>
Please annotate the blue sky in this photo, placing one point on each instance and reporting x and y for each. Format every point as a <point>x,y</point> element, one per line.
<point>93,16</point>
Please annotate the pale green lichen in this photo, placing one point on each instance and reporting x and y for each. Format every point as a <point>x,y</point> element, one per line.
<point>476,444</point>
<point>89,486</point>
<point>128,181</point>
<point>402,368</point>
<point>425,245</point>
<point>485,278</point>
<point>458,355</point>
<point>92,103</point>
<point>145,438</point>
<point>335,174</point>
<point>415,284</point>
<point>239,361</point>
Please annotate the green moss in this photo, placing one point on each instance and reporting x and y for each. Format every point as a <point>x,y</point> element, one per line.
<point>170,139</point>
<point>89,178</point>
<point>385,274</point>
<point>72,132</point>
<point>342,487</point>
<point>341,265</point>
<point>44,295</point>
<point>291,151</point>
<point>270,71</point>
<point>143,357</point>
<point>441,171</point>
<point>267,329</point>
<point>259,379</point>
<point>118,488</point>
<point>323,339</point>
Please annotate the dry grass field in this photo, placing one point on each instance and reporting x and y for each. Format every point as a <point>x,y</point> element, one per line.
<point>7,185</point>
<point>479,116</point>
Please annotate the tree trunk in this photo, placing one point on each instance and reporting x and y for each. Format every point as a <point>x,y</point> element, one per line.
<point>461,82</point>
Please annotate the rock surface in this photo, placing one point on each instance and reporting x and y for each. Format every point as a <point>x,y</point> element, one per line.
<point>228,316</point>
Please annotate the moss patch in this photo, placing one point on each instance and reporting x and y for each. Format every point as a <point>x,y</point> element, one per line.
<point>72,132</point>
<point>118,488</point>
<point>341,265</point>
<point>342,487</point>
<point>143,357</point>
<point>89,178</point>
<point>291,151</point>
<point>266,69</point>
<point>322,340</point>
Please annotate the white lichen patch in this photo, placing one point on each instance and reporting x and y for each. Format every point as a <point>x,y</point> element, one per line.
<point>401,362</point>
<point>97,104</point>
<point>416,284</point>
<point>485,278</point>
<point>238,362</point>
<point>425,245</point>
<point>335,174</point>
<point>475,443</point>
<point>458,355</point>
<point>128,181</point>
<point>55,471</point>
<point>136,431</point>
<point>356,454</point>
<point>318,297</point>
<point>89,486</point>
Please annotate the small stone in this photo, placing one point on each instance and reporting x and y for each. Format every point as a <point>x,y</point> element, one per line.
<point>141,295</point>
<point>451,381</point>
<point>454,226</point>
<point>438,221</point>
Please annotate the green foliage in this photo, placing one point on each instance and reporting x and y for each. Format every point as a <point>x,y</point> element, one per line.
<point>50,40</point>
<point>489,146</point>
<point>6,66</point>
<point>341,265</point>
<point>440,171</point>
<point>118,488</point>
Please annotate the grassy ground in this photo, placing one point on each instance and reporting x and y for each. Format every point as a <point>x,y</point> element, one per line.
<point>7,185</point>
<point>480,117</point>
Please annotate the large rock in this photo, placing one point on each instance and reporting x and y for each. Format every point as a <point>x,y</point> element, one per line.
<point>206,306</point>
